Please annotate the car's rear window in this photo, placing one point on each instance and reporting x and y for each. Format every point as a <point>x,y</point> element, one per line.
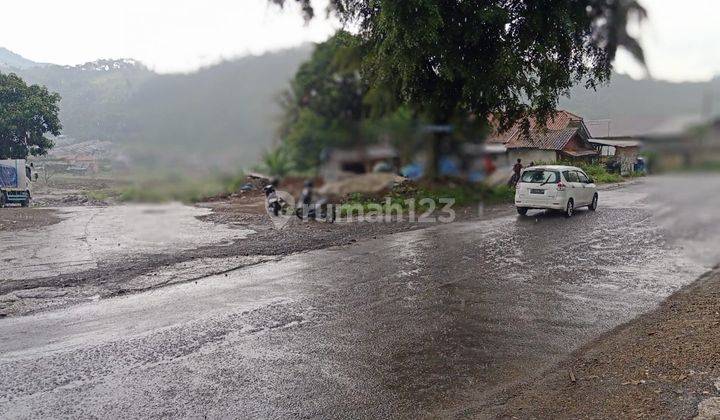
<point>540,176</point>
<point>571,176</point>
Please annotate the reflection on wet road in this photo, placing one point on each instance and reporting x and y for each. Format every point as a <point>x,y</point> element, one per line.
<point>88,235</point>
<point>411,324</point>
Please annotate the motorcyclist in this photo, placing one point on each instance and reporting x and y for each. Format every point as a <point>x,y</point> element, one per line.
<point>307,192</point>
<point>310,209</point>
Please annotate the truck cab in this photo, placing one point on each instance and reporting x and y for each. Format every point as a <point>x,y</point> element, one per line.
<point>15,178</point>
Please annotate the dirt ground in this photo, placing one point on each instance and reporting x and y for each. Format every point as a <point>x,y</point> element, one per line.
<point>665,364</point>
<point>16,218</point>
<point>244,211</point>
<point>61,192</point>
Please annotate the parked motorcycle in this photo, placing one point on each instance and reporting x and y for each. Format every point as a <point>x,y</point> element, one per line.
<point>274,202</point>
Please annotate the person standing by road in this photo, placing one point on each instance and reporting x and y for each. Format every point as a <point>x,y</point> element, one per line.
<point>517,169</point>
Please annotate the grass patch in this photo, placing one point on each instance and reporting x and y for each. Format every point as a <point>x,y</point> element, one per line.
<point>98,195</point>
<point>421,198</point>
<point>597,172</point>
<point>179,187</point>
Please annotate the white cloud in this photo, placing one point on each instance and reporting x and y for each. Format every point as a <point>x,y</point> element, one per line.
<point>167,35</point>
<point>679,39</point>
<point>181,35</point>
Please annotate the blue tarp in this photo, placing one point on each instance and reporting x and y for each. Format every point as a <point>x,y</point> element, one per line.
<point>8,176</point>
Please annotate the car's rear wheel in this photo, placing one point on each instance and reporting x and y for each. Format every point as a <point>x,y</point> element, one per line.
<point>570,208</point>
<point>593,206</point>
<point>522,211</point>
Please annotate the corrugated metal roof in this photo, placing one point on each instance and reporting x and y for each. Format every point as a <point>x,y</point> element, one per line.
<point>616,143</point>
<point>543,139</point>
<point>553,136</point>
<point>580,153</point>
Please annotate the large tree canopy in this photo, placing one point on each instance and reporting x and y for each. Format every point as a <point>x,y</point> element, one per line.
<point>511,58</point>
<point>27,113</point>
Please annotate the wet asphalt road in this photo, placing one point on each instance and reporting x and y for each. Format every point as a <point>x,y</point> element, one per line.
<point>427,322</point>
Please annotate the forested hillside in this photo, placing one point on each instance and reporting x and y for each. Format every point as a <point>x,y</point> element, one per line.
<point>223,115</point>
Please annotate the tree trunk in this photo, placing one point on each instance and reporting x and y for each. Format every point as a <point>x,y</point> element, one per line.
<point>432,171</point>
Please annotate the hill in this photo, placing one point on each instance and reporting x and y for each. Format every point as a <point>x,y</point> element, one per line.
<point>220,116</point>
<point>635,107</point>
<point>9,59</point>
<point>224,115</point>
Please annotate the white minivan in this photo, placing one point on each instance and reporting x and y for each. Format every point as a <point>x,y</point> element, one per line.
<point>555,187</point>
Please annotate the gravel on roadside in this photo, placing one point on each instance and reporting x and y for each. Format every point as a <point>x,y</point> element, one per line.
<point>665,364</point>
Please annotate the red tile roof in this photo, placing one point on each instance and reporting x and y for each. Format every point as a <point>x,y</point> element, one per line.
<point>556,133</point>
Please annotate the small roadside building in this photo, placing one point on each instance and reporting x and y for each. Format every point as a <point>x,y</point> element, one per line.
<point>564,137</point>
<point>622,151</point>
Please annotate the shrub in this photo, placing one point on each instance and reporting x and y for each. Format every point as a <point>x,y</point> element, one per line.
<point>597,172</point>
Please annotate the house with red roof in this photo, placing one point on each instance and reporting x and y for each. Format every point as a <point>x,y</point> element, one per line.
<point>564,136</point>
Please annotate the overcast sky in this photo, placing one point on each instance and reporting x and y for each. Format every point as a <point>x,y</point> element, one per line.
<point>182,35</point>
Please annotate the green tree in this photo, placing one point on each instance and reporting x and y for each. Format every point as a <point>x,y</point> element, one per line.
<point>324,103</point>
<point>330,104</point>
<point>511,59</point>
<point>27,113</point>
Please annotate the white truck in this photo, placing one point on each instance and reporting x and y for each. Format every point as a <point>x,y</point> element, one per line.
<point>15,177</point>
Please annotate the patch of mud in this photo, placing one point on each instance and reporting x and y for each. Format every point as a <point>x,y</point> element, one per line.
<point>88,235</point>
<point>191,271</point>
<point>18,218</point>
<point>37,298</point>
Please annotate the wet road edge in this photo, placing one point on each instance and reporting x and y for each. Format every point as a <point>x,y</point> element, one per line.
<point>640,368</point>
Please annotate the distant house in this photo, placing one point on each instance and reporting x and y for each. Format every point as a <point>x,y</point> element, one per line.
<point>623,151</point>
<point>563,137</point>
<point>341,163</point>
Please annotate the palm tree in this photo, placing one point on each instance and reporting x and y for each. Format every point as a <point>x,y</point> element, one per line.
<point>276,162</point>
<point>611,18</point>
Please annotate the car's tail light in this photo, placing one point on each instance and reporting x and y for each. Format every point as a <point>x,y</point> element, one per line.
<point>561,186</point>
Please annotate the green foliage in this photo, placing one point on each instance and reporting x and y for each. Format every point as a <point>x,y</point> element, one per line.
<point>221,115</point>
<point>329,104</point>
<point>597,172</point>
<point>276,162</point>
<point>511,59</point>
<point>27,113</point>
<point>323,106</point>
<point>232,183</point>
<point>310,134</point>
<point>462,195</point>
<point>98,195</point>
<point>399,128</point>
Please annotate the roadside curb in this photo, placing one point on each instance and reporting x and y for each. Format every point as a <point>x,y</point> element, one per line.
<point>617,185</point>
